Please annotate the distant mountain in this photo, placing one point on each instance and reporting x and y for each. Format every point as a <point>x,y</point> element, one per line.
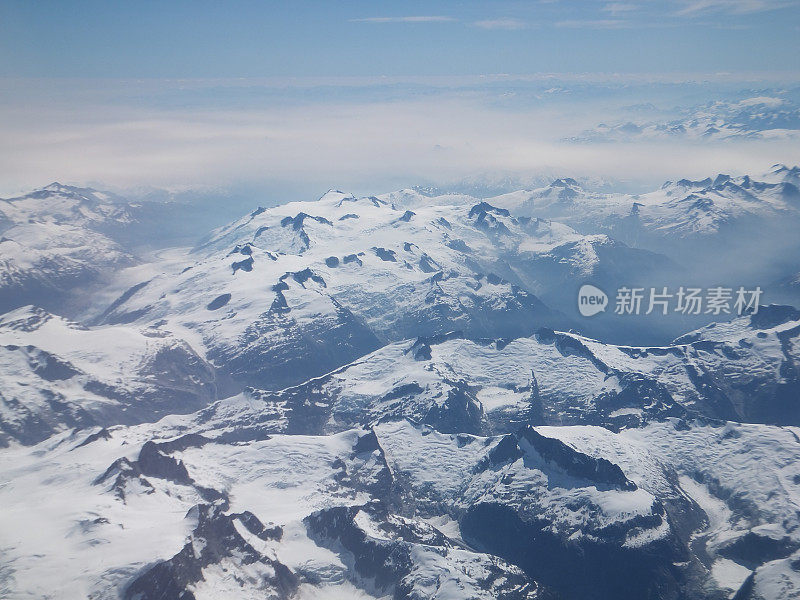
<point>767,117</point>
<point>57,242</point>
<point>65,204</point>
<point>782,174</point>
<point>60,244</point>
<point>682,210</point>
<point>738,229</point>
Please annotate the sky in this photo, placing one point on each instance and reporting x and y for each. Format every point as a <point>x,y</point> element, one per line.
<point>290,99</point>
<point>202,39</point>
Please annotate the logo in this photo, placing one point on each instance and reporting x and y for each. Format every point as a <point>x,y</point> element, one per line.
<point>591,300</point>
<point>714,301</point>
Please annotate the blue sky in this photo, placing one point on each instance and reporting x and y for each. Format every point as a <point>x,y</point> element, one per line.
<point>201,39</point>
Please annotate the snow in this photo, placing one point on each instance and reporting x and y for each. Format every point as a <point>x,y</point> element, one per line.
<point>673,210</point>
<point>49,532</point>
<point>68,373</point>
<point>753,118</point>
<point>219,581</point>
<point>507,378</point>
<point>439,471</point>
<point>718,514</point>
<point>65,534</point>
<point>56,238</point>
<point>104,352</point>
<point>497,398</point>
<point>432,282</point>
<point>728,574</point>
<point>286,477</point>
<point>778,580</point>
<point>342,591</point>
<point>280,480</point>
<point>756,464</point>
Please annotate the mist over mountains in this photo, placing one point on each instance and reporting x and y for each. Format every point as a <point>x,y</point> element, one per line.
<point>765,116</point>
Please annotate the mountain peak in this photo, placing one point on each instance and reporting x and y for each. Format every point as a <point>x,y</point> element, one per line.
<point>563,182</point>
<point>56,187</point>
<point>333,195</point>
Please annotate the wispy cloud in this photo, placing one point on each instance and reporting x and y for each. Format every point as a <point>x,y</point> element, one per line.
<point>767,101</point>
<point>594,24</point>
<point>617,8</point>
<point>509,24</point>
<point>411,19</point>
<point>694,7</point>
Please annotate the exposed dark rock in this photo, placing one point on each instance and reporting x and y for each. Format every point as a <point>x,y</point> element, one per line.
<point>219,302</point>
<point>214,539</point>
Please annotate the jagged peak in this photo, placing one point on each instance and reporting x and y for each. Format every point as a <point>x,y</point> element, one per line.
<point>485,207</point>
<point>61,188</point>
<point>721,179</point>
<point>690,183</point>
<point>782,168</point>
<point>56,185</point>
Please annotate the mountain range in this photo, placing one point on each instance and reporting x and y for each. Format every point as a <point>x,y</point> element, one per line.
<point>772,115</point>
<point>395,396</point>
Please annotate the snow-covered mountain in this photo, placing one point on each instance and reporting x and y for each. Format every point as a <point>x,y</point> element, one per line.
<point>674,509</point>
<point>781,173</point>
<point>763,117</point>
<point>738,229</point>
<point>56,242</point>
<point>60,375</point>
<point>367,398</point>
<point>61,244</point>
<point>295,291</point>
<point>57,203</point>
<point>681,210</point>
<point>744,371</point>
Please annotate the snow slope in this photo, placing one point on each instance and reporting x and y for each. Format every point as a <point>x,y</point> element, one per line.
<point>674,507</point>
<point>57,241</point>
<point>684,209</point>
<point>766,117</point>
<point>60,375</point>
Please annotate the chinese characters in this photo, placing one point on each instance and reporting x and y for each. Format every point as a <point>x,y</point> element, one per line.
<point>687,301</point>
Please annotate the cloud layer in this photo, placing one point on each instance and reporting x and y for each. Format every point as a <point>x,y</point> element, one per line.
<point>117,139</point>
